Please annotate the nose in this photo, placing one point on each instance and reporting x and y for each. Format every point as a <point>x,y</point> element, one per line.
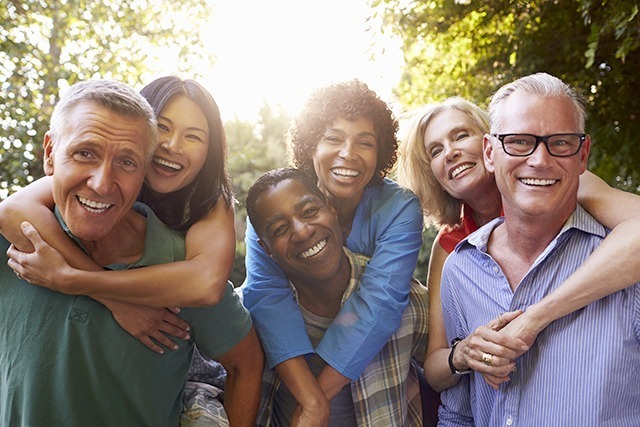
<point>540,156</point>
<point>302,231</point>
<point>451,154</point>
<point>347,151</point>
<point>102,179</point>
<point>172,143</point>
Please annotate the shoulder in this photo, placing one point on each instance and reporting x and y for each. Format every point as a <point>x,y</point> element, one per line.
<point>389,196</point>
<point>162,244</point>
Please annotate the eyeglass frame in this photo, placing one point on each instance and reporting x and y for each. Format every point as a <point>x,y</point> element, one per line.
<point>539,139</point>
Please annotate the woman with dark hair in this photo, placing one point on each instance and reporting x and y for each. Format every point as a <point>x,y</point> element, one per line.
<point>188,187</point>
<point>345,138</point>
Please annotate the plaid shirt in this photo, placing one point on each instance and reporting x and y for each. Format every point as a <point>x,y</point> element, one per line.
<point>387,393</point>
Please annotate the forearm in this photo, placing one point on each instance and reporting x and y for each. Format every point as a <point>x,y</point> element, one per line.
<point>304,387</point>
<point>437,371</point>
<point>244,365</point>
<point>613,266</point>
<point>154,286</point>
<point>331,381</point>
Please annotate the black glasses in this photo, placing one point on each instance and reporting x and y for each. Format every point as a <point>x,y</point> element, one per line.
<point>524,144</point>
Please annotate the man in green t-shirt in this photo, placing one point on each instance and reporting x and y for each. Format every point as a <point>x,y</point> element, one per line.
<point>64,361</point>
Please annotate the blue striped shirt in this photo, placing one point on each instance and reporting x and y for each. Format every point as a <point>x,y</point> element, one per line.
<point>583,370</point>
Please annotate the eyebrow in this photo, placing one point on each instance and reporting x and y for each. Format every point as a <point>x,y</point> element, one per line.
<point>298,206</point>
<point>192,128</point>
<point>365,133</point>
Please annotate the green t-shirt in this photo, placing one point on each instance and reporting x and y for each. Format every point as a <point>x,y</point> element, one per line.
<point>64,361</point>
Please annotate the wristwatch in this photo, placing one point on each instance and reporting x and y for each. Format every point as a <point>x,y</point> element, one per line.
<point>454,371</point>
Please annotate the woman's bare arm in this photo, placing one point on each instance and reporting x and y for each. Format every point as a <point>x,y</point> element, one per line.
<point>436,365</point>
<point>210,251</point>
<point>485,339</point>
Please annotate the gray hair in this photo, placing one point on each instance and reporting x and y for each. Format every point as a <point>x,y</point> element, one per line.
<point>414,166</point>
<point>541,84</point>
<point>117,97</point>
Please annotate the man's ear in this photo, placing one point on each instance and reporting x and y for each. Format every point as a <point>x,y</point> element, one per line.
<point>487,151</point>
<point>48,153</point>
<point>264,246</point>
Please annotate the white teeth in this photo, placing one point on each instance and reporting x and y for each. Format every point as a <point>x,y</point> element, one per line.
<point>93,206</point>
<point>314,250</point>
<point>166,163</point>
<point>457,171</point>
<point>345,172</point>
<point>540,182</point>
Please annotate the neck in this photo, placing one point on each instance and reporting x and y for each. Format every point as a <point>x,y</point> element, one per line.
<point>124,244</point>
<point>324,297</point>
<point>346,210</point>
<point>518,242</point>
<point>487,205</point>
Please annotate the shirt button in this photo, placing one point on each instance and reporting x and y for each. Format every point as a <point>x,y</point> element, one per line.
<point>496,269</point>
<point>509,421</point>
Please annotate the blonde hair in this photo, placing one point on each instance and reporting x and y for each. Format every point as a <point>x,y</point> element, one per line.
<point>414,167</point>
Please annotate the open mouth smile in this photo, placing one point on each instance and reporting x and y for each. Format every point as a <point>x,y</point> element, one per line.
<point>92,205</point>
<point>538,182</point>
<point>457,171</point>
<point>166,164</point>
<point>314,250</point>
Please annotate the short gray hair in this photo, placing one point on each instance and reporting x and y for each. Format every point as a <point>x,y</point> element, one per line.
<point>117,97</point>
<point>541,84</point>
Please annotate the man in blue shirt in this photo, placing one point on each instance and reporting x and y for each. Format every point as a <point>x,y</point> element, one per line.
<point>583,368</point>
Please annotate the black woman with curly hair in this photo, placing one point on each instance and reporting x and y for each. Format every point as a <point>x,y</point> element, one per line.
<point>345,138</point>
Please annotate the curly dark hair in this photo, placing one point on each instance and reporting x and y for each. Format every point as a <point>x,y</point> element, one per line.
<point>351,100</point>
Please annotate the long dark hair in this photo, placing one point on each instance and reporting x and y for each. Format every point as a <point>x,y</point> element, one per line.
<point>182,208</point>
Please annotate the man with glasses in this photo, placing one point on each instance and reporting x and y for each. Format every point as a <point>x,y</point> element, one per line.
<point>583,368</point>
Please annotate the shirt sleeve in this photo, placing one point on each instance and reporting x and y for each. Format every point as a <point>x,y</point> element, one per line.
<point>275,313</point>
<point>372,314</point>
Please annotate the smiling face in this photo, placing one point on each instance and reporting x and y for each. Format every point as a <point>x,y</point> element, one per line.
<point>184,142</point>
<point>300,232</point>
<point>345,159</point>
<point>539,184</point>
<point>453,143</point>
<point>98,167</point>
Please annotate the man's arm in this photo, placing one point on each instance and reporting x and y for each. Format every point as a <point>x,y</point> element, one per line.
<point>244,364</point>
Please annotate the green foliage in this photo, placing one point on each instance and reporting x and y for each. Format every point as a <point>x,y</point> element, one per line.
<point>471,47</point>
<point>253,150</point>
<point>48,46</point>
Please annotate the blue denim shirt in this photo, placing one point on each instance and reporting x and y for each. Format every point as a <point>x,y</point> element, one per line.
<point>388,228</point>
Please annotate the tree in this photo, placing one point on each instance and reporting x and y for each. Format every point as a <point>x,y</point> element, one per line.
<point>253,150</point>
<point>46,47</point>
<point>471,47</point>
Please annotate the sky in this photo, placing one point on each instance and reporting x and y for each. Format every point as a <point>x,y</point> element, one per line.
<point>280,50</point>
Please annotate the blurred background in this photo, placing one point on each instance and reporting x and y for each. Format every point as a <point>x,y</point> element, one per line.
<point>261,59</point>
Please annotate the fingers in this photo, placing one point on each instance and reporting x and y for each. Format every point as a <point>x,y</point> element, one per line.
<point>174,325</point>
<point>31,233</point>
<point>150,344</point>
<point>503,319</point>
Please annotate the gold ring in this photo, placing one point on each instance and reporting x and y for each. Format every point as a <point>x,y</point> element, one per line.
<point>486,359</point>
<point>19,276</point>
